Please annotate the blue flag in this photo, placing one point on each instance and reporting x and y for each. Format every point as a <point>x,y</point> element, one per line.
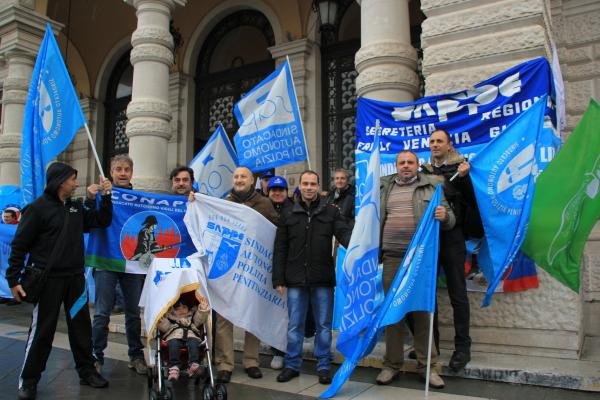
<point>7,234</point>
<point>413,289</point>
<point>360,283</point>
<point>213,166</point>
<point>144,225</point>
<point>270,133</point>
<point>52,116</point>
<point>503,175</point>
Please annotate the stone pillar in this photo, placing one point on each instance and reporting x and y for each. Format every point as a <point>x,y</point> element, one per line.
<point>21,32</point>
<point>386,62</point>
<point>302,61</point>
<point>149,113</point>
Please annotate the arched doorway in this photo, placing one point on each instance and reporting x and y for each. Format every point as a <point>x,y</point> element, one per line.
<point>233,59</point>
<point>118,96</point>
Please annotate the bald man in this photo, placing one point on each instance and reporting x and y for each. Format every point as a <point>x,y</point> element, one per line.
<point>243,193</point>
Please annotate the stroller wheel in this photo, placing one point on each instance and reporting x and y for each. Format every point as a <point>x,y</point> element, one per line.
<point>208,393</point>
<point>221,391</point>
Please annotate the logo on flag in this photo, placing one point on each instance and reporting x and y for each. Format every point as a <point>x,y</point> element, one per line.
<point>503,176</point>
<point>144,226</point>
<point>52,116</point>
<point>214,165</point>
<point>270,132</point>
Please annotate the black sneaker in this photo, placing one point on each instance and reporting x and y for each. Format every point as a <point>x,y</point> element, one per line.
<point>254,372</point>
<point>324,376</point>
<point>459,359</point>
<point>27,393</point>
<point>94,380</point>
<point>287,374</point>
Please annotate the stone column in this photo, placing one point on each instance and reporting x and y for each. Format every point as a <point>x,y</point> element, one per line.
<point>149,113</point>
<point>21,32</point>
<point>302,60</point>
<point>386,62</point>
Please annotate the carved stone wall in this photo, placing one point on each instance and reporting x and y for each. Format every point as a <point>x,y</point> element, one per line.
<point>465,42</point>
<point>576,24</point>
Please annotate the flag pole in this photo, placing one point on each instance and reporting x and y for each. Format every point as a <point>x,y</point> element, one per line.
<point>89,135</point>
<point>287,58</point>
<point>429,354</point>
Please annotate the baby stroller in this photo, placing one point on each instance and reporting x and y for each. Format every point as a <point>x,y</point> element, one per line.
<point>167,276</point>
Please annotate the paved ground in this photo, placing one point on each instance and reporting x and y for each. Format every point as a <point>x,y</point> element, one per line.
<point>60,379</point>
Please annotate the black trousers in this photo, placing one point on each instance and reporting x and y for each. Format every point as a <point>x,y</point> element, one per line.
<point>452,258</point>
<point>70,291</point>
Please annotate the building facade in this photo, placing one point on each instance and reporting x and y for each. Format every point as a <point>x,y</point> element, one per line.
<point>155,76</point>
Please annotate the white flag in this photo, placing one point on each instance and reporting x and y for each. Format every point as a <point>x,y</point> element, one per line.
<point>214,165</point>
<point>237,243</point>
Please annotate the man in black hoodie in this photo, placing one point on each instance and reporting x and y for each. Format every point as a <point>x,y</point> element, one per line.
<point>37,235</point>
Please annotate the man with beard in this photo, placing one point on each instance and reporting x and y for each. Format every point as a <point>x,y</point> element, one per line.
<point>243,192</point>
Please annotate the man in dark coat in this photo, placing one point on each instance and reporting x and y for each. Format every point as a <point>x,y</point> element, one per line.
<point>458,189</point>
<point>37,235</point>
<point>303,264</point>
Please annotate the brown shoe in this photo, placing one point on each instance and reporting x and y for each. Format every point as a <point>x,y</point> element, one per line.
<point>386,376</point>
<point>435,381</point>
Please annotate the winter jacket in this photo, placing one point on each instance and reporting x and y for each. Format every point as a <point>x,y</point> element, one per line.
<point>422,195</point>
<point>173,327</point>
<point>284,207</point>
<point>460,195</point>
<point>303,254</point>
<point>40,227</point>
<point>345,201</point>
<point>256,201</point>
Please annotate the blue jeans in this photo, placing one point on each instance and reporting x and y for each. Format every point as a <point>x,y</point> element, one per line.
<point>321,299</point>
<point>193,347</point>
<point>131,286</point>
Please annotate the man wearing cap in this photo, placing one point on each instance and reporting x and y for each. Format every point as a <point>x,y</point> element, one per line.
<point>40,227</point>
<point>277,190</point>
<point>264,181</point>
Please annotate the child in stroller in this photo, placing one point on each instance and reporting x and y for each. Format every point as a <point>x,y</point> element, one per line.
<point>182,326</point>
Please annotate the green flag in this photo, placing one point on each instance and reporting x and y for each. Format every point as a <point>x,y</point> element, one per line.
<point>566,203</point>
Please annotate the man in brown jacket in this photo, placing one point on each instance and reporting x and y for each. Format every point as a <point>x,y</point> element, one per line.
<point>243,193</point>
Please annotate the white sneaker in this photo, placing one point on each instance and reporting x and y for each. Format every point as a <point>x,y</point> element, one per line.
<point>277,362</point>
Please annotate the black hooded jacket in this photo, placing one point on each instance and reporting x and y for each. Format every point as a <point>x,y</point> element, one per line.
<point>42,222</point>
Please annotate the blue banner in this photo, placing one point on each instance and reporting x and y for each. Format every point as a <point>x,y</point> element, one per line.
<point>7,233</point>
<point>413,289</point>
<point>214,165</point>
<point>473,117</point>
<point>144,225</point>
<point>270,133</point>
<point>360,281</point>
<point>52,116</point>
<point>503,176</point>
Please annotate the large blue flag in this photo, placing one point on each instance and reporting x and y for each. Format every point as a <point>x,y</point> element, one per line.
<point>413,289</point>
<point>144,225</point>
<point>52,116</point>
<point>270,133</point>
<point>213,166</point>
<point>503,175</point>
<point>360,282</point>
